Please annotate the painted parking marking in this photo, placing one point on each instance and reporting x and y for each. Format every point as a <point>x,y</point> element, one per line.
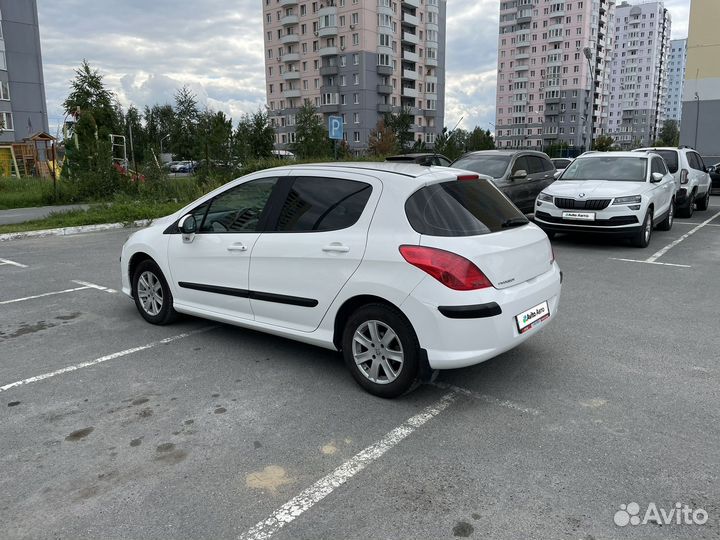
<point>667,248</point>
<point>84,285</point>
<point>696,223</point>
<point>303,502</point>
<point>487,399</point>
<point>648,262</point>
<point>102,359</point>
<point>4,262</point>
<point>94,286</point>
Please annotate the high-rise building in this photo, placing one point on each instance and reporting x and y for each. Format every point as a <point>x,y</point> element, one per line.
<point>638,81</point>
<point>23,109</point>
<point>552,71</point>
<point>675,79</point>
<point>358,60</point>
<point>701,94</point>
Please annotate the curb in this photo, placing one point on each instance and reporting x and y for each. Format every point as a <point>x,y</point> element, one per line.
<point>67,231</point>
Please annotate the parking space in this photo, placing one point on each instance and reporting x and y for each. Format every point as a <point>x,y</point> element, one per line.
<point>114,428</point>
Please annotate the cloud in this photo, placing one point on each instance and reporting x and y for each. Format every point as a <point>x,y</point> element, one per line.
<point>148,49</point>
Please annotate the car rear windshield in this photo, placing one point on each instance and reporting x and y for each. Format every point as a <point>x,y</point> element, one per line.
<point>461,208</point>
<point>670,157</point>
<point>618,169</point>
<point>494,166</point>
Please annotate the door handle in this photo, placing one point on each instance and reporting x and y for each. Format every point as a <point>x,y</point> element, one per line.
<point>336,247</point>
<point>237,247</point>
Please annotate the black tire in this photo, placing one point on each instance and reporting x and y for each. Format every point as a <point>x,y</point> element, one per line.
<point>166,314</point>
<point>703,203</point>
<point>642,238</point>
<point>688,208</point>
<point>667,223</point>
<point>406,379</point>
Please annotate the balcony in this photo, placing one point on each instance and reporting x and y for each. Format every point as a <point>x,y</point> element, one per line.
<point>410,56</point>
<point>518,69</point>
<point>429,113</point>
<point>410,74</point>
<point>290,38</point>
<point>291,75</point>
<point>407,37</point>
<point>326,31</point>
<point>329,70</point>
<point>384,70</point>
<point>290,57</point>
<point>556,39</point>
<point>325,11</point>
<point>288,3</point>
<point>384,108</point>
<point>329,109</point>
<point>522,56</point>
<point>412,3</point>
<point>289,20</point>
<point>411,20</point>
<point>292,93</point>
<point>328,51</point>
<point>431,62</point>
<point>409,92</point>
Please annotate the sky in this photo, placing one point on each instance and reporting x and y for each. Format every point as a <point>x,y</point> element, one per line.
<point>147,49</point>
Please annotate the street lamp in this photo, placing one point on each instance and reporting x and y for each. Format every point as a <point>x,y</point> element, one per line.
<point>697,117</point>
<point>587,51</point>
<point>161,141</point>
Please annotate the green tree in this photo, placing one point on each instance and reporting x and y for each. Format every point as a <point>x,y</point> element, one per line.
<point>603,143</point>
<point>88,95</point>
<point>400,125</point>
<point>254,137</point>
<point>311,137</point>
<point>479,139</point>
<point>214,134</point>
<point>669,134</point>
<point>183,135</point>
<point>449,144</point>
<point>133,122</point>
<point>382,141</point>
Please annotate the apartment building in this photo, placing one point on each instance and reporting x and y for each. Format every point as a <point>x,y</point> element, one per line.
<point>701,94</point>
<point>552,72</point>
<point>675,79</point>
<point>23,108</point>
<point>358,60</point>
<point>639,87</point>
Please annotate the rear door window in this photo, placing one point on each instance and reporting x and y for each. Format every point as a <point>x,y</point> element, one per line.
<point>317,204</point>
<point>536,164</point>
<point>521,164</point>
<point>461,208</point>
<point>671,158</point>
<point>695,161</point>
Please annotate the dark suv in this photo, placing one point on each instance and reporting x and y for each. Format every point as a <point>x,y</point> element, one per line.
<point>426,159</point>
<point>520,174</point>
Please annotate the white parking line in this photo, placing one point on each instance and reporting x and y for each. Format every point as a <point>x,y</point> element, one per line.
<point>102,359</point>
<point>696,223</point>
<point>667,248</point>
<point>2,303</point>
<point>4,262</point>
<point>94,286</point>
<point>296,506</point>
<point>487,399</point>
<point>648,262</point>
<point>85,286</point>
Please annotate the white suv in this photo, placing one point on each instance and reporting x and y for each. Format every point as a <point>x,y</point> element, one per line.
<point>619,193</point>
<point>405,269</point>
<point>691,178</point>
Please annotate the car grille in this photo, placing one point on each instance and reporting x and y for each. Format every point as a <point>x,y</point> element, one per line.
<point>572,204</point>
<point>612,222</point>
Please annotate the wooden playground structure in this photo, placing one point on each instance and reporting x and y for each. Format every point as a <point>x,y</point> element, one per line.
<point>34,156</point>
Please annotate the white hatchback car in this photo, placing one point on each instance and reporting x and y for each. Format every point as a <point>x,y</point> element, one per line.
<point>405,269</point>
<point>620,193</point>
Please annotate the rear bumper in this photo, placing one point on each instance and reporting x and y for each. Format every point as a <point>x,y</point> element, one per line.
<point>460,342</point>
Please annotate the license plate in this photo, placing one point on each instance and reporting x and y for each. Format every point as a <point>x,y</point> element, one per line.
<point>580,216</point>
<point>527,319</point>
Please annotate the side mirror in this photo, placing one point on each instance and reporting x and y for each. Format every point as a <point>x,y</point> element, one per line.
<point>656,177</point>
<point>557,174</point>
<point>188,227</point>
<point>519,174</point>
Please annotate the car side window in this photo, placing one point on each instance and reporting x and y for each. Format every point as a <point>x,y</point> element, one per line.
<point>536,165</point>
<point>700,162</point>
<point>693,161</point>
<point>238,209</point>
<point>657,166</point>
<point>317,204</point>
<point>521,164</point>
<point>443,162</point>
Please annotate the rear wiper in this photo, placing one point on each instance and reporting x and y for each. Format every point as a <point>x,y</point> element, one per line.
<point>514,222</point>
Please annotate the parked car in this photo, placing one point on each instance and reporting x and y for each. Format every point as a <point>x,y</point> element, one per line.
<point>561,163</point>
<point>621,193</point>
<point>520,174</point>
<point>692,180</point>
<point>714,172</point>
<point>426,159</point>
<point>405,269</point>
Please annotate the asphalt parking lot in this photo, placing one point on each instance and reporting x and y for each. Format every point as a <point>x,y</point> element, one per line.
<point>113,428</point>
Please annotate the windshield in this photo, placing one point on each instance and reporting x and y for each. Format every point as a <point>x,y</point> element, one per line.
<point>616,169</point>
<point>494,166</point>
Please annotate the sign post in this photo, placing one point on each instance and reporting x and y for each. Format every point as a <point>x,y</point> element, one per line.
<point>335,131</point>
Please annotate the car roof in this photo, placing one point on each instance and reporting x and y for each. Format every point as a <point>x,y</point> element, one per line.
<point>416,155</point>
<point>632,154</point>
<point>401,168</point>
<point>502,153</point>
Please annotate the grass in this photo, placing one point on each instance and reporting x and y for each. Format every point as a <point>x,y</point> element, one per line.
<point>24,192</point>
<point>117,212</point>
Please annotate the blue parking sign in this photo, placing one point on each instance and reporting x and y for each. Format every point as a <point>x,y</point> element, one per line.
<point>335,127</point>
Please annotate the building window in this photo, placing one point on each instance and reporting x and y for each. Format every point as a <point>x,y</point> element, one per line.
<point>356,136</point>
<point>4,91</point>
<point>6,121</point>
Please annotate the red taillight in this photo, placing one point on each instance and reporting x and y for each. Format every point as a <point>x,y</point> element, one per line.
<point>466,177</point>
<point>451,270</point>
<point>684,176</point>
